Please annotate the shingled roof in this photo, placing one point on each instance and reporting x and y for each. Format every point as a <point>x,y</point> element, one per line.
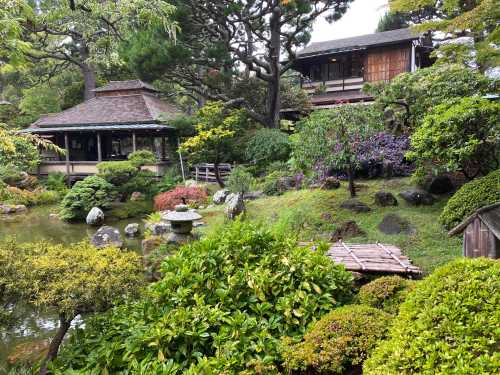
<point>133,103</point>
<point>358,42</point>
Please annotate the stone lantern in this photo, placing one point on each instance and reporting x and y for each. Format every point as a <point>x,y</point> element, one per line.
<point>181,221</point>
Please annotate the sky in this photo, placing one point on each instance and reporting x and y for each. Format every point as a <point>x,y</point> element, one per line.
<point>361,18</point>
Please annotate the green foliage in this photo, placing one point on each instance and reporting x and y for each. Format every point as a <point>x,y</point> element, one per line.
<point>117,172</point>
<point>93,191</point>
<point>339,342</point>
<point>169,181</point>
<point>392,21</point>
<point>39,196</point>
<point>424,89</point>
<point>385,293</point>
<point>24,156</point>
<point>57,181</point>
<point>448,324</point>
<point>470,197</point>
<point>461,134</point>
<point>131,209</point>
<point>37,101</point>
<point>142,157</point>
<point>267,146</point>
<point>222,305</point>
<point>239,181</point>
<point>276,183</point>
<point>143,182</point>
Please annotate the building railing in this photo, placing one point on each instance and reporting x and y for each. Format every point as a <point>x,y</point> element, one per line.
<point>320,87</point>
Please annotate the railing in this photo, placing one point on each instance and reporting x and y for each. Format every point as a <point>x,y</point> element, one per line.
<point>319,87</point>
<point>206,172</point>
<point>86,168</point>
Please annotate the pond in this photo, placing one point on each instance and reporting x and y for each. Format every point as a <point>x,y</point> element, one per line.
<point>36,225</point>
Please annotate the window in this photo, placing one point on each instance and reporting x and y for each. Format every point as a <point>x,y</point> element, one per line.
<point>316,73</point>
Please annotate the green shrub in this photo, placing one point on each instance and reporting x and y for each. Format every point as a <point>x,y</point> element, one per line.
<point>276,183</point>
<point>169,181</point>
<point>39,196</point>
<point>117,172</point>
<point>57,181</point>
<point>267,146</point>
<point>339,342</point>
<point>239,181</point>
<point>93,191</point>
<point>130,209</point>
<point>142,157</point>
<point>143,182</point>
<point>228,297</point>
<point>385,293</point>
<point>470,197</point>
<point>447,325</point>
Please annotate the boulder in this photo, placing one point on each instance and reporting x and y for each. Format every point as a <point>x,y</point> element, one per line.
<point>95,217</point>
<point>220,196</point>
<point>150,244</point>
<point>12,209</point>
<point>132,230</point>
<point>53,216</point>
<point>158,229</point>
<point>107,236</point>
<point>440,185</point>
<point>229,197</point>
<point>417,197</point>
<point>395,224</point>
<point>235,207</point>
<point>347,229</point>
<point>180,238</point>
<point>355,205</point>
<point>330,183</point>
<point>136,196</point>
<point>385,199</point>
<point>253,195</point>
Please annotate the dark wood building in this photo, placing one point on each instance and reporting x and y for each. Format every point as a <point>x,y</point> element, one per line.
<point>481,233</point>
<point>124,116</point>
<point>335,71</point>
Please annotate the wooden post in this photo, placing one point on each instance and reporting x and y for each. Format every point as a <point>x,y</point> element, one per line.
<point>66,146</point>
<point>134,142</point>
<point>99,147</point>
<point>163,154</point>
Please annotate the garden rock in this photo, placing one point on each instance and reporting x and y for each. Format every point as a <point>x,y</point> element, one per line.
<point>158,229</point>
<point>355,205</point>
<point>417,197</point>
<point>132,230</point>
<point>235,207</point>
<point>440,185</point>
<point>220,196</point>
<point>330,183</point>
<point>385,199</point>
<point>395,224</point>
<point>107,236</point>
<point>136,196</point>
<point>230,197</point>
<point>347,229</point>
<point>95,216</point>
<point>150,244</point>
<point>12,209</point>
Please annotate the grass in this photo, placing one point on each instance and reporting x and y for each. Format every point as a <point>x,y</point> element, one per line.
<point>314,215</point>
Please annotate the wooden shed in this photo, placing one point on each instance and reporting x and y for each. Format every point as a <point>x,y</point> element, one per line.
<point>481,233</point>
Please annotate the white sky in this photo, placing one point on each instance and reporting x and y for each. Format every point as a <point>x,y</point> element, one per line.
<point>361,18</point>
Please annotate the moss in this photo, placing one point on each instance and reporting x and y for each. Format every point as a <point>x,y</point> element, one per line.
<point>339,342</point>
<point>472,196</point>
<point>448,324</point>
<point>385,293</point>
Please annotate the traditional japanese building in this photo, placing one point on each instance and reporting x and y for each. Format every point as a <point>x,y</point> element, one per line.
<point>335,71</point>
<point>124,116</point>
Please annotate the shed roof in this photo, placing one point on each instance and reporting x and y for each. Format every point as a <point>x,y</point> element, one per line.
<point>134,84</point>
<point>358,42</point>
<point>99,127</point>
<point>489,215</point>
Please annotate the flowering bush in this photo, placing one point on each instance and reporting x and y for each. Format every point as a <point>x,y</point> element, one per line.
<point>170,199</point>
<point>384,154</point>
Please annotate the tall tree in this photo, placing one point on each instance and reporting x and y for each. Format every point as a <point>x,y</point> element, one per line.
<point>224,41</point>
<point>79,33</point>
<point>392,21</point>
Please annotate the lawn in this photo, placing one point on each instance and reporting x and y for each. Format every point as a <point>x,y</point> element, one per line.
<point>314,215</point>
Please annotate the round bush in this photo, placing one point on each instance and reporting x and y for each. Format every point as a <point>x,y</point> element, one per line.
<point>448,324</point>
<point>385,293</point>
<point>472,196</point>
<point>224,303</point>
<point>93,191</point>
<point>142,157</point>
<point>267,146</point>
<point>117,172</point>
<point>339,342</point>
<point>191,195</point>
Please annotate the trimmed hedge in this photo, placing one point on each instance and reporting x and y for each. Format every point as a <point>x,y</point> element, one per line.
<point>472,196</point>
<point>386,293</point>
<point>339,342</point>
<point>447,325</point>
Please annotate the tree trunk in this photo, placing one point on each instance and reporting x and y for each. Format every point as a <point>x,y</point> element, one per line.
<point>350,177</point>
<point>64,325</point>
<point>88,72</point>
<point>217,175</point>
<point>273,89</point>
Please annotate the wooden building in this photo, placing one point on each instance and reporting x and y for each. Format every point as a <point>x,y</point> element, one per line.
<point>481,233</point>
<point>335,71</point>
<point>124,116</point>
